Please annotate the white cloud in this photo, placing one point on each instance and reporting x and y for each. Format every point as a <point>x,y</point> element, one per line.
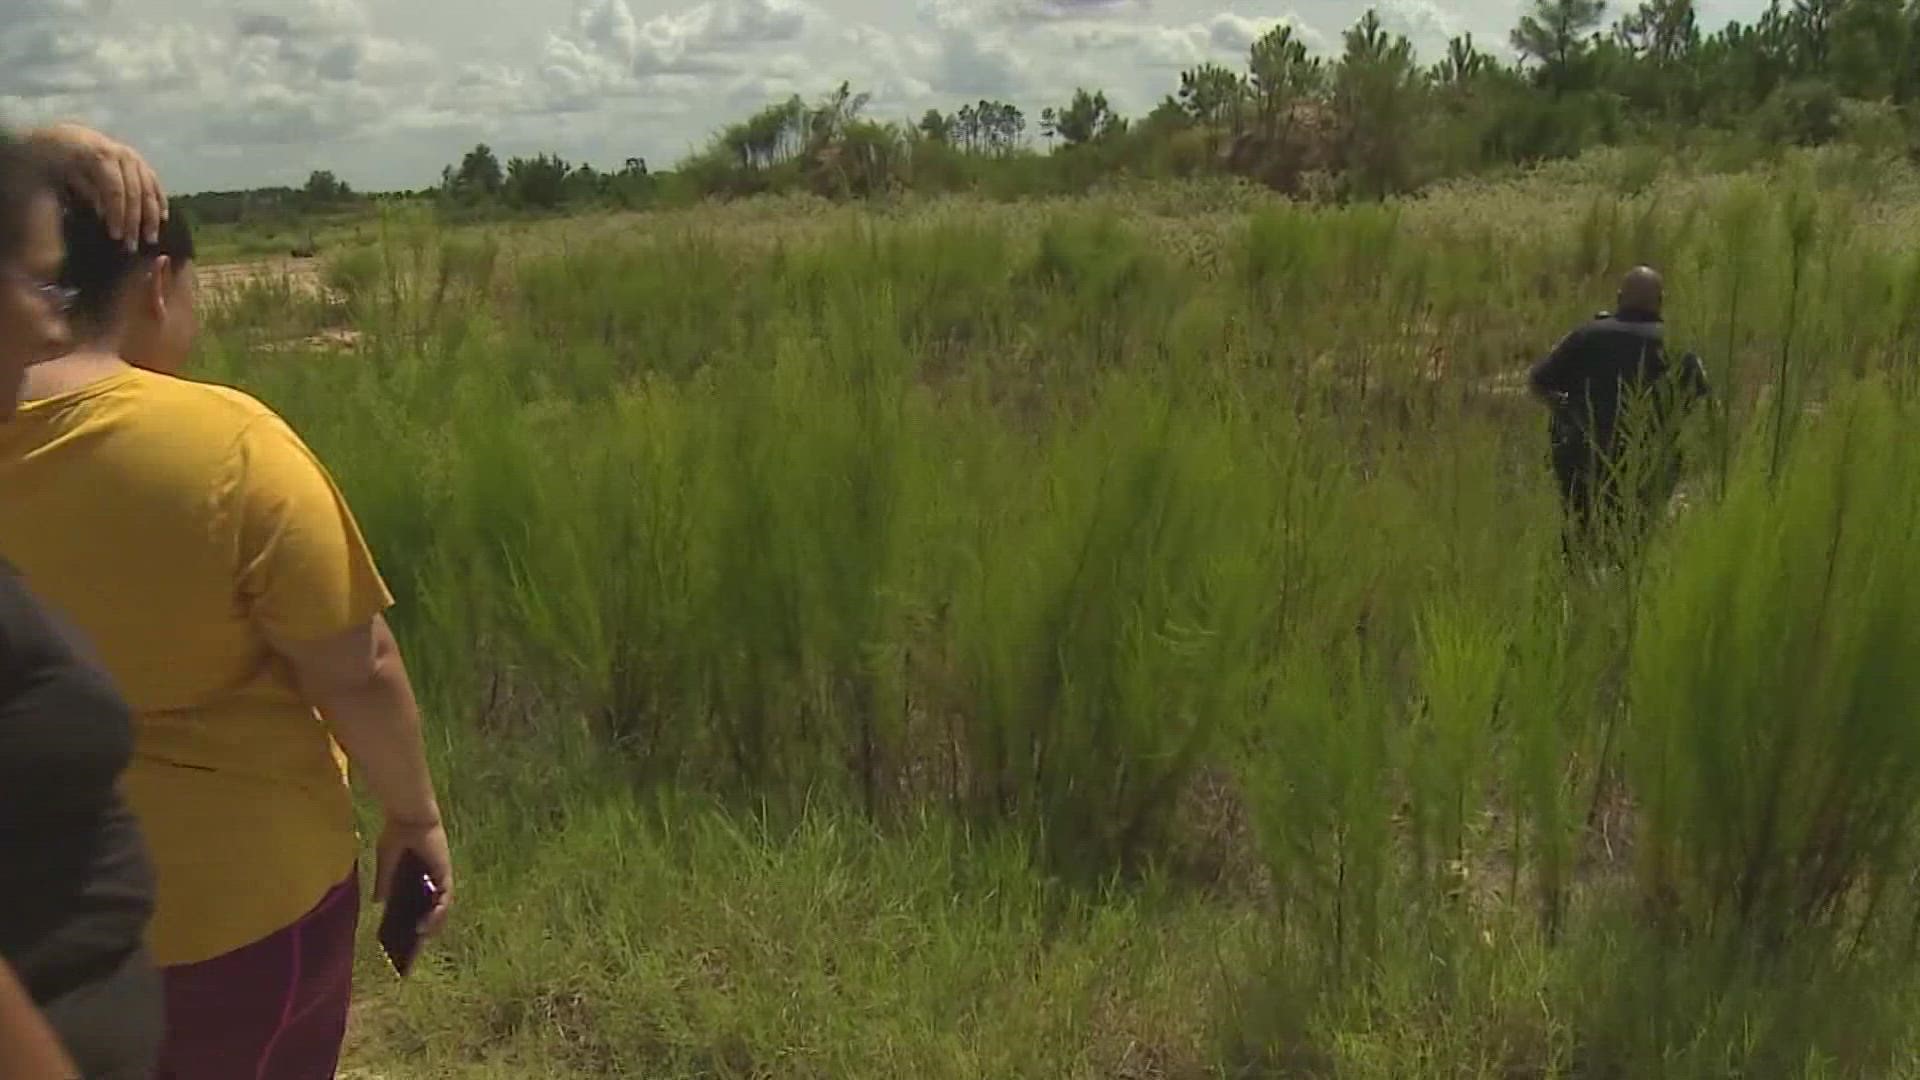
<point>269,114</point>
<point>298,20</point>
<point>699,39</point>
<point>1151,56</point>
<point>1040,10</point>
<point>606,59</point>
<point>292,73</point>
<point>744,22</point>
<point>1235,34</point>
<point>610,25</point>
<point>973,59</point>
<point>573,77</point>
<point>25,11</point>
<point>1424,22</point>
<point>55,53</point>
<point>900,65</point>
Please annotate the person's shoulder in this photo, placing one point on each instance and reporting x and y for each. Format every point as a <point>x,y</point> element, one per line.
<point>1600,321</point>
<point>1577,338</point>
<point>1628,321</point>
<point>1614,329</point>
<point>163,429</point>
<point>179,433</point>
<point>232,401</point>
<point>219,413</point>
<point>218,408</point>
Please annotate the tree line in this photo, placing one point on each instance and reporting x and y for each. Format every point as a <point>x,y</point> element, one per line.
<point>1371,120</point>
<point>1375,119</point>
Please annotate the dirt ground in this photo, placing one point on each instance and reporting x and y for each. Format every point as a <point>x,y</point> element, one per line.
<point>224,277</point>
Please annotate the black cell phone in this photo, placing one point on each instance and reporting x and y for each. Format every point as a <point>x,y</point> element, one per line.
<point>409,900</point>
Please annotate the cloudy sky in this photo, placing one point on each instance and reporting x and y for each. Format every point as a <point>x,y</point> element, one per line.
<point>237,93</point>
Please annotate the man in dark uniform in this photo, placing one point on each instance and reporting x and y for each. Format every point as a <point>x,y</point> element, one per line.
<point>1613,396</point>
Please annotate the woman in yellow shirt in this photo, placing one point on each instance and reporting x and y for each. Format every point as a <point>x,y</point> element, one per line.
<point>195,539</point>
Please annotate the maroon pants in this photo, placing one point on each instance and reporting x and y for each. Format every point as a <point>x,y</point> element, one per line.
<point>272,1010</point>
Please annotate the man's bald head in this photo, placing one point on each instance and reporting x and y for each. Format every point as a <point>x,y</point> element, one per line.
<point>1642,291</point>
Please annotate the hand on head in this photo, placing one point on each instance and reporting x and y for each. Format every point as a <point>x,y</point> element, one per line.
<point>110,175</point>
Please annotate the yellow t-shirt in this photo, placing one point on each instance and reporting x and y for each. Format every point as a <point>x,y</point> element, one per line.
<point>173,522</point>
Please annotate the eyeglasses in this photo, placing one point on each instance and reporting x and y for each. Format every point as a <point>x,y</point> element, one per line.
<point>59,297</point>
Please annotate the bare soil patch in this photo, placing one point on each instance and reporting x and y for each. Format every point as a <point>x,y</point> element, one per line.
<point>225,279</point>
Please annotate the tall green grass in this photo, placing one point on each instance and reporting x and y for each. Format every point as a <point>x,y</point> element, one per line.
<point>1081,641</point>
<point>1782,802</point>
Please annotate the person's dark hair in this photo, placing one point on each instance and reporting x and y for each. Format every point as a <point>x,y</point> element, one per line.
<point>98,265</point>
<point>24,176</point>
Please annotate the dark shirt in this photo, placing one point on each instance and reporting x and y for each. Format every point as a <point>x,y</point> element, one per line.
<point>1600,367</point>
<point>76,889</point>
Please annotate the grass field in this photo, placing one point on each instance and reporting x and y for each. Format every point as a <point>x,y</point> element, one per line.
<point>1127,638</point>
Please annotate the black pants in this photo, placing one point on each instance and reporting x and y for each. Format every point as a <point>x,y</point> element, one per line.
<point>1589,497</point>
<point>112,1025</point>
<point>1607,503</point>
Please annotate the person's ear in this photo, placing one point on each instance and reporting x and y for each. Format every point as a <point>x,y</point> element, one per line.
<point>159,287</point>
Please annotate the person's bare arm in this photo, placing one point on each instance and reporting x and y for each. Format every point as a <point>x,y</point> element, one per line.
<point>358,682</point>
<point>29,1050</point>
<point>315,597</point>
<point>109,174</point>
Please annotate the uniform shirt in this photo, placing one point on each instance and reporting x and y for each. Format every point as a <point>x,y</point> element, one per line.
<point>76,889</point>
<point>1599,367</point>
<point>179,524</point>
